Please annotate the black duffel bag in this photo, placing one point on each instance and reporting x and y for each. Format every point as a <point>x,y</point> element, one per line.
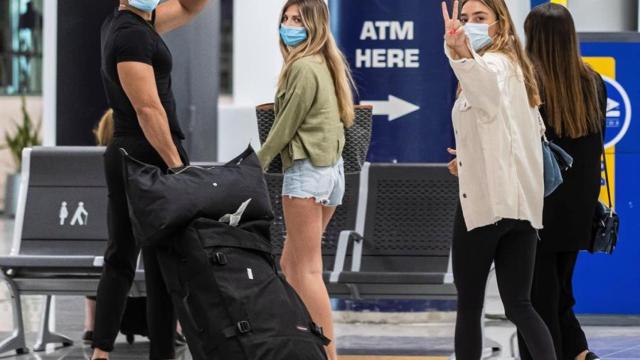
<point>160,204</point>
<point>231,302</point>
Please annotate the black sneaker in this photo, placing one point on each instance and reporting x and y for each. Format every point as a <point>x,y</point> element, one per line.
<point>87,337</point>
<point>591,356</point>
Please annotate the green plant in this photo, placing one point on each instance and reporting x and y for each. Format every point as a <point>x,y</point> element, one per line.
<point>26,135</point>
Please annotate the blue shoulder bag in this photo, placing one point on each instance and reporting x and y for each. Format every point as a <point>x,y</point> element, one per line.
<point>555,160</point>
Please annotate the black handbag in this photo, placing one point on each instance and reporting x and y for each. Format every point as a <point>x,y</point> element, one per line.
<point>604,229</point>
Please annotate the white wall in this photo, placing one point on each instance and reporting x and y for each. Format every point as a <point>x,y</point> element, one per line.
<point>256,65</point>
<point>50,55</point>
<point>609,15</point>
<point>519,10</point>
<point>256,55</point>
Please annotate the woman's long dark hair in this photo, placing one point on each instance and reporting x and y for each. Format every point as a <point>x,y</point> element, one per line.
<point>568,86</point>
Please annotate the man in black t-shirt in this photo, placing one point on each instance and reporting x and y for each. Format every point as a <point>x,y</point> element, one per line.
<point>136,73</point>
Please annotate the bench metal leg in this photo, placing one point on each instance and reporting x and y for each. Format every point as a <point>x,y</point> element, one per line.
<point>16,342</point>
<point>46,336</point>
<point>490,347</point>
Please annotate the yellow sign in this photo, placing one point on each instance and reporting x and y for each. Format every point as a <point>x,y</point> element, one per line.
<point>561,2</point>
<point>606,66</point>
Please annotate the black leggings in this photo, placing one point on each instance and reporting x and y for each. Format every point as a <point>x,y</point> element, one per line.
<point>120,260</point>
<point>511,245</point>
<point>552,297</point>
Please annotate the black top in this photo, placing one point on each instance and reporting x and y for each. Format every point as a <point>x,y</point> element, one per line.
<point>568,211</point>
<point>126,36</point>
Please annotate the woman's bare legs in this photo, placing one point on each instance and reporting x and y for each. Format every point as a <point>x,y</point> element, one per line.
<point>301,260</point>
<point>89,314</point>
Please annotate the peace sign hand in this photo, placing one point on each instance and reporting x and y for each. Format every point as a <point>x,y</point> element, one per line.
<point>454,34</point>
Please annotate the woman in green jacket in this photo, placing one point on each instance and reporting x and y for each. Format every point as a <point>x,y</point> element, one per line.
<point>314,104</point>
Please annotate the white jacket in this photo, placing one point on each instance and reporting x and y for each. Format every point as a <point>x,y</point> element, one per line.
<point>497,135</point>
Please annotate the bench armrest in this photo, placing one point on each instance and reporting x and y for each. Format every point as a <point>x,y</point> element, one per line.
<point>341,254</point>
<point>50,261</point>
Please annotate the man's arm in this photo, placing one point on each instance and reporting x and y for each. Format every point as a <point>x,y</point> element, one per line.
<point>174,13</point>
<point>139,83</point>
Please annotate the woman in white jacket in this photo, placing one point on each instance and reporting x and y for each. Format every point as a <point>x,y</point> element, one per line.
<point>499,165</point>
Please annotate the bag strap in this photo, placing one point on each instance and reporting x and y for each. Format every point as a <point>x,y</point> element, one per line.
<point>606,171</point>
<point>541,126</point>
<point>604,153</point>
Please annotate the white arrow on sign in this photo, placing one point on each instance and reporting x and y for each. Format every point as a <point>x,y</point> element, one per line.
<point>613,108</point>
<point>395,107</point>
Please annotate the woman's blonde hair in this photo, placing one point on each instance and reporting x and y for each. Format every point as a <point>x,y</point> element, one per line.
<point>315,19</point>
<point>104,131</point>
<point>507,42</point>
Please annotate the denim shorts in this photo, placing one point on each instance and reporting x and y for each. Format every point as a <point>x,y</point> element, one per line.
<point>325,184</point>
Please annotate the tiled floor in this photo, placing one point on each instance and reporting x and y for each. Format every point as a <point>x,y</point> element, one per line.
<point>356,341</point>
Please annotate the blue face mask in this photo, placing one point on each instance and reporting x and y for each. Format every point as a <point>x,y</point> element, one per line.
<point>144,5</point>
<point>478,35</point>
<point>292,36</point>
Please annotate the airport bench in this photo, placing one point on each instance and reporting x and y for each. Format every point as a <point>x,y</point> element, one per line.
<point>399,246</point>
<point>393,229</point>
<point>60,234</point>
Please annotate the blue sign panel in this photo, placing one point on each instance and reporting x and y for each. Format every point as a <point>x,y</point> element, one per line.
<point>535,3</point>
<point>395,50</point>
<point>611,284</point>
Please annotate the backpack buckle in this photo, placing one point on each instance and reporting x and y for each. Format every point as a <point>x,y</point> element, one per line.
<point>316,329</point>
<point>219,258</point>
<point>243,327</point>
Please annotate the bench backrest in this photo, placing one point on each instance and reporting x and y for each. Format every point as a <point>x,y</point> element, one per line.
<point>357,137</point>
<point>408,223</point>
<point>62,207</point>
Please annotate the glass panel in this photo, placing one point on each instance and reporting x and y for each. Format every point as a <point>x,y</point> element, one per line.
<point>20,47</point>
<point>226,47</point>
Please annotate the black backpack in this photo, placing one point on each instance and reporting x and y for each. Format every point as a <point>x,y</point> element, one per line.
<point>161,204</point>
<point>230,300</point>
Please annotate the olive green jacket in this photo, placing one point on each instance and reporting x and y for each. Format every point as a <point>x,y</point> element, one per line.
<point>307,123</point>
